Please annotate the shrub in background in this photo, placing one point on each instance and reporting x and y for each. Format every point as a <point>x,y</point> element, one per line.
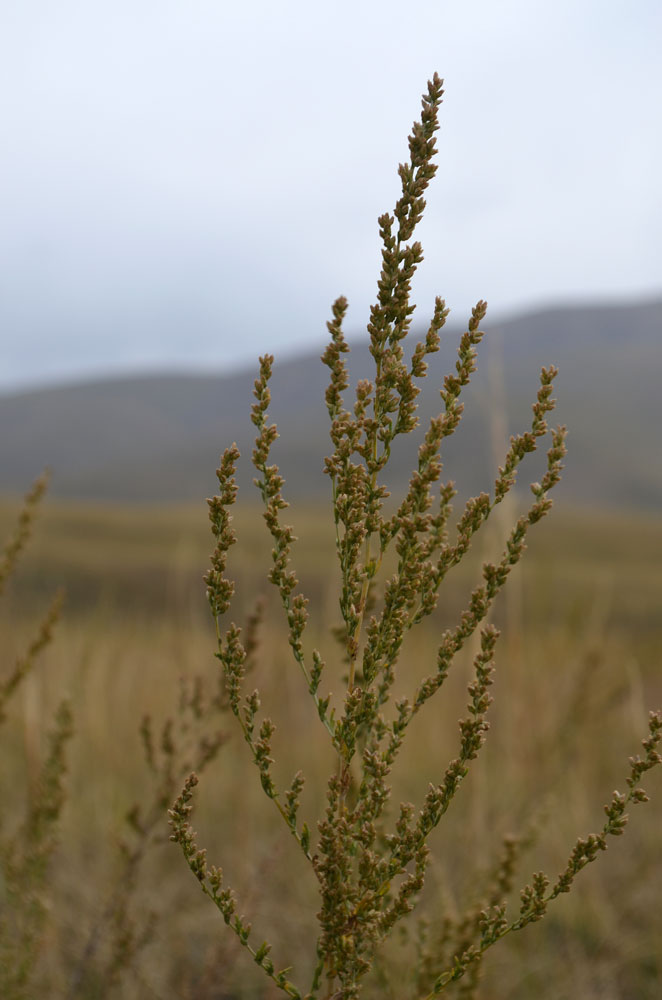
<point>26,852</point>
<point>112,940</point>
<point>116,937</point>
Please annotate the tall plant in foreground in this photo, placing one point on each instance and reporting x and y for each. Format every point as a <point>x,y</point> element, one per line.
<point>370,869</point>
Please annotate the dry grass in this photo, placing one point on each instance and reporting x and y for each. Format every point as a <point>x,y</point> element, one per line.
<point>581,651</point>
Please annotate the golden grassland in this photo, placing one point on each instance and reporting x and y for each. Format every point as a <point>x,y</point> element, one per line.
<point>578,665</point>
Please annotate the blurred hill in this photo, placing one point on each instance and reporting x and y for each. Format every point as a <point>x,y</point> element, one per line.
<point>158,438</point>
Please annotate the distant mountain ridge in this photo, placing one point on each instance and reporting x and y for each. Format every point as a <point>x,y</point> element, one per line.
<point>158,438</point>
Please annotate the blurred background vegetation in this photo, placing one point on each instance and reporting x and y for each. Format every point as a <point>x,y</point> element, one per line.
<point>578,667</point>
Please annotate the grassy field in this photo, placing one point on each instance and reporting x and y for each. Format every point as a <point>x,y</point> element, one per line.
<point>578,666</point>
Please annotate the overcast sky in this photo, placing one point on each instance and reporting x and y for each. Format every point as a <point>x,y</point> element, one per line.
<point>186,184</point>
